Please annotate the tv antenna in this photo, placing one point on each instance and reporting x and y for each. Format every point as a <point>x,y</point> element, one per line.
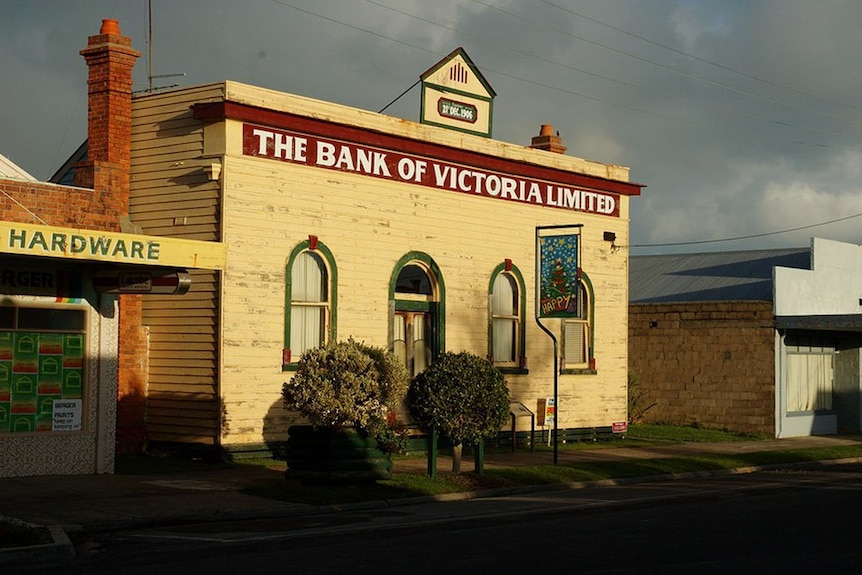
<point>150,76</point>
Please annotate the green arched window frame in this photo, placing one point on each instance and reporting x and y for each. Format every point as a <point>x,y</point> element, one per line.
<point>512,271</point>
<point>289,360</point>
<point>589,367</point>
<point>438,307</point>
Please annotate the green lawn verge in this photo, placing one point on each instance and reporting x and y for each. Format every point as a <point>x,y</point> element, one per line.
<point>685,434</point>
<point>404,485</point>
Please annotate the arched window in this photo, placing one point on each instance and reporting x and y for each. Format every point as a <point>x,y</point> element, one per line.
<point>577,332</point>
<point>506,316</point>
<point>309,300</point>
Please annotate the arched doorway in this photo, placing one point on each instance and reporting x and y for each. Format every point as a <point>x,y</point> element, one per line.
<point>416,312</point>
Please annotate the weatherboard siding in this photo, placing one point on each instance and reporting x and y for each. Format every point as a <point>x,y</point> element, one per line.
<point>171,196</point>
<point>216,372</point>
<point>369,224</point>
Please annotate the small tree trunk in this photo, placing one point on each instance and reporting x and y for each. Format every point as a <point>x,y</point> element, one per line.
<point>456,458</point>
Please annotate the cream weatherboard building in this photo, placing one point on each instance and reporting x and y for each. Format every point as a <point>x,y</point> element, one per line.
<point>345,223</point>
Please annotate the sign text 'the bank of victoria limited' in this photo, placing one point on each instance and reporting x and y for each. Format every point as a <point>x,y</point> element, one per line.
<point>299,148</point>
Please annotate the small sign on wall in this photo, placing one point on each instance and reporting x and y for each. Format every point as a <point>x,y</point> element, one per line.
<point>546,412</point>
<point>67,415</point>
<point>619,427</point>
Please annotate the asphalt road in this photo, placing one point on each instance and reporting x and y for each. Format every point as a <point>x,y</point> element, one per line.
<point>766,522</point>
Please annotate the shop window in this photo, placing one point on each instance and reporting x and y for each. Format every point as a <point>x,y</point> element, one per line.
<point>50,319</point>
<point>310,298</point>
<point>506,312</point>
<point>809,374</point>
<point>577,342</point>
<point>7,317</point>
<point>40,350</point>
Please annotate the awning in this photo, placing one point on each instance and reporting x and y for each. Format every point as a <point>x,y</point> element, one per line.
<point>843,322</point>
<point>112,247</point>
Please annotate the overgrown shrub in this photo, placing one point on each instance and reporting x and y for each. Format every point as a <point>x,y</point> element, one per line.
<point>349,384</point>
<point>461,394</point>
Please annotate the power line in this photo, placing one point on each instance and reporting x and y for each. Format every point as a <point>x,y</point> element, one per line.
<point>511,49</point>
<point>518,78</point>
<point>586,72</point>
<point>582,71</point>
<point>352,27</point>
<point>672,68</point>
<point>698,242</point>
<point>435,23</point>
<point>697,58</point>
<point>540,84</point>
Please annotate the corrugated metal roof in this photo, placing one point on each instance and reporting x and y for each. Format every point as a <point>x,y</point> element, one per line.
<point>713,276</point>
<point>8,169</point>
<point>65,175</point>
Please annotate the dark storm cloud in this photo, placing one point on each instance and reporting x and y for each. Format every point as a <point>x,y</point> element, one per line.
<point>741,117</point>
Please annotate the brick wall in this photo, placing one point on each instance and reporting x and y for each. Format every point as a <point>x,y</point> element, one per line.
<point>133,368</point>
<point>710,364</point>
<point>98,201</point>
<point>53,205</point>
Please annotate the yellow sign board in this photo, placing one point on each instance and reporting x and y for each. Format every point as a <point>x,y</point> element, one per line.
<point>94,245</point>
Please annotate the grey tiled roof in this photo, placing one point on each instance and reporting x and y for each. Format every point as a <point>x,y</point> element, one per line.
<point>714,276</point>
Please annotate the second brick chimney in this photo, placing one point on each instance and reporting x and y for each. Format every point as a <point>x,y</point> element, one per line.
<point>548,140</point>
<point>110,58</point>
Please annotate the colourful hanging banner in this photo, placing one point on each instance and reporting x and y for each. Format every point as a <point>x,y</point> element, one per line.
<point>559,276</point>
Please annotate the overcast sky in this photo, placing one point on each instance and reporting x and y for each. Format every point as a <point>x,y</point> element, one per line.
<point>742,117</point>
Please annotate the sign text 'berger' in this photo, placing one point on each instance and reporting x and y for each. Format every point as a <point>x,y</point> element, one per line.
<point>348,157</point>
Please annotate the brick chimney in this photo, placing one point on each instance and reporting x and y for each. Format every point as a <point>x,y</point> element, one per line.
<point>548,140</point>
<point>110,58</point>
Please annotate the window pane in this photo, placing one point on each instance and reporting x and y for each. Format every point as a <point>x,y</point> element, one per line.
<point>575,343</point>
<point>7,317</point>
<point>809,382</point>
<point>582,302</point>
<point>52,319</point>
<point>399,344</point>
<point>420,348</point>
<point>308,278</point>
<point>503,333</point>
<point>413,279</point>
<point>504,299</point>
<point>505,312</point>
<point>307,325</point>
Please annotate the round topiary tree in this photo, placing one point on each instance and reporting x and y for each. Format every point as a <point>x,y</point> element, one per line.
<point>463,396</point>
<point>349,392</point>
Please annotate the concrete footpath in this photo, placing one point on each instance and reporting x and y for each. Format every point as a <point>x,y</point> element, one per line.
<point>94,503</point>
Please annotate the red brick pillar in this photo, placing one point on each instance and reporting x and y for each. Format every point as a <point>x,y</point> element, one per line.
<point>110,59</point>
<point>132,378</point>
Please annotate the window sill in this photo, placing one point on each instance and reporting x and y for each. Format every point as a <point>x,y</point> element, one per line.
<point>578,371</point>
<point>289,366</point>
<point>513,370</point>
